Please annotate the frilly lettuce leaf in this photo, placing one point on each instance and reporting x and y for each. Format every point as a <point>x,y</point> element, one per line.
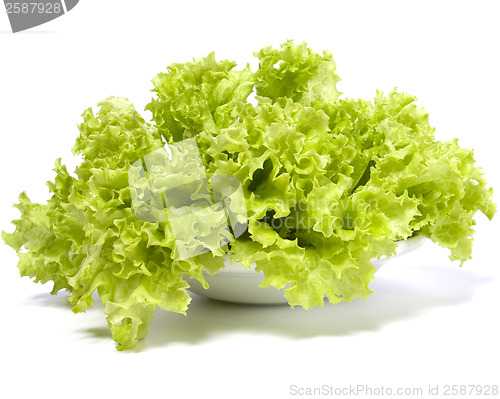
<point>197,96</point>
<point>329,184</point>
<point>298,73</point>
<point>87,237</point>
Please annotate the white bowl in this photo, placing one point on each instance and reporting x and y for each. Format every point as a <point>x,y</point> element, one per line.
<point>235,283</point>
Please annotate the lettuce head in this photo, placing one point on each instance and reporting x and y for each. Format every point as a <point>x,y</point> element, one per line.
<point>329,184</point>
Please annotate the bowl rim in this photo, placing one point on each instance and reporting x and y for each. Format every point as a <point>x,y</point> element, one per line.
<point>236,268</point>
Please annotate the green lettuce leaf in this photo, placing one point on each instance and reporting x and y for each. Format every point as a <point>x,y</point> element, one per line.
<point>87,237</point>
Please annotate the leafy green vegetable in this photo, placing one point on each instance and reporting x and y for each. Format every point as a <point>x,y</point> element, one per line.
<point>329,184</point>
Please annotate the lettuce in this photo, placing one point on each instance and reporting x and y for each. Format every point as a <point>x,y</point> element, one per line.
<point>329,185</point>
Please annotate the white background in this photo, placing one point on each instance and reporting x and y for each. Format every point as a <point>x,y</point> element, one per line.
<point>429,322</point>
